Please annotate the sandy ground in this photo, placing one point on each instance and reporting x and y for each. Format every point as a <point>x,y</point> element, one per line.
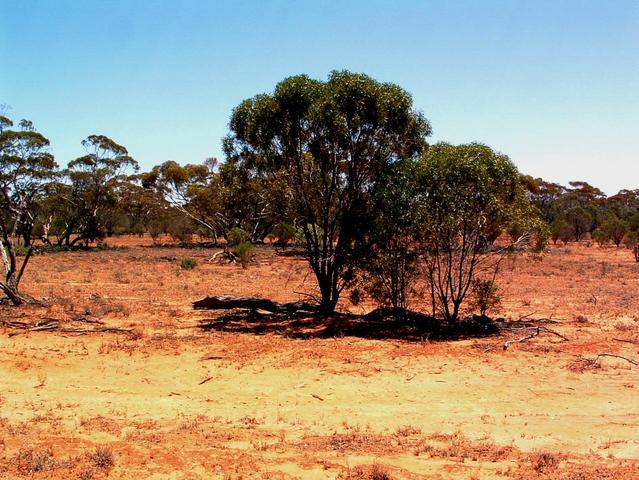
<point>169,400</point>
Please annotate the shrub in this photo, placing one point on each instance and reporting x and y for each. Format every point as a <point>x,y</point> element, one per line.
<point>180,229</point>
<point>485,295</point>
<point>560,230</point>
<point>544,462</point>
<point>188,263</point>
<point>103,457</point>
<point>366,472</point>
<point>21,250</point>
<point>600,236</point>
<point>244,251</point>
<point>632,242</point>
<point>614,229</point>
<point>237,236</point>
<point>391,260</point>
<point>284,233</point>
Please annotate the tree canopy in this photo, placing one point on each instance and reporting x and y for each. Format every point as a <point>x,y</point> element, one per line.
<point>328,143</point>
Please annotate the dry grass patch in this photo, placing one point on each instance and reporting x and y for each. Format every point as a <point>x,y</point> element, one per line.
<point>366,472</point>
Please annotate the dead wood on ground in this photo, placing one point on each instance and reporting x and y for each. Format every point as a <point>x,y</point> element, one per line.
<point>228,302</point>
<point>538,330</point>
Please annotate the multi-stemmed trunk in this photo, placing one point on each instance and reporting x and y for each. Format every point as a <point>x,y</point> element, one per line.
<point>12,273</point>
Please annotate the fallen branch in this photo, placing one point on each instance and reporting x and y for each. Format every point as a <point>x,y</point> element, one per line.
<point>82,331</point>
<point>228,302</point>
<point>212,357</point>
<point>85,319</point>
<point>597,360</point>
<point>25,327</point>
<point>230,256</point>
<point>538,331</point>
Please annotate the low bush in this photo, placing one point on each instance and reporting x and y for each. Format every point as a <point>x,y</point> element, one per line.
<point>188,263</point>
<point>485,295</point>
<point>244,252</point>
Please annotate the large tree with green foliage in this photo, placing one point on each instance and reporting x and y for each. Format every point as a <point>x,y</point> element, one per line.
<point>26,167</point>
<point>92,191</point>
<point>328,143</point>
<point>461,191</point>
<point>194,190</point>
<point>391,263</point>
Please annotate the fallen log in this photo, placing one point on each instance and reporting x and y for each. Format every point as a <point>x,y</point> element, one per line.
<point>222,255</point>
<point>291,252</point>
<point>228,302</point>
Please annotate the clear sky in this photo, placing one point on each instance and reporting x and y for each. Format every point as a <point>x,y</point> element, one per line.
<point>554,84</point>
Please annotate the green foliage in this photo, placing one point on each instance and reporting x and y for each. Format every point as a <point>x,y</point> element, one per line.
<point>614,229</point>
<point>26,169</point>
<point>193,190</point>
<point>180,228</point>
<point>237,236</point>
<point>600,236</point>
<point>251,200</point>
<point>391,261</point>
<point>464,193</point>
<point>486,295</point>
<point>284,233</point>
<point>244,252</point>
<point>324,145</point>
<point>20,250</point>
<point>580,221</point>
<point>560,230</point>
<point>188,263</point>
<point>632,242</point>
<point>91,197</point>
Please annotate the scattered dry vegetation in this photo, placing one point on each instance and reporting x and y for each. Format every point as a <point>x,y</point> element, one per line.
<point>112,376</point>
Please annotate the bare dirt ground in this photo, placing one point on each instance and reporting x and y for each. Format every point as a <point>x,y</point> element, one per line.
<point>168,400</point>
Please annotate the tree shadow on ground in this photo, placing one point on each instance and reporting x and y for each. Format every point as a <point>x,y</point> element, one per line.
<point>381,324</point>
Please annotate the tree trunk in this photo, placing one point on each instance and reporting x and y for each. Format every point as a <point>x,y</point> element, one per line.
<point>12,293</point>
<point>328,289</point>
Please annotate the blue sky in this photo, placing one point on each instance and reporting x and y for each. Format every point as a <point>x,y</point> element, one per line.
<point>554,84</point>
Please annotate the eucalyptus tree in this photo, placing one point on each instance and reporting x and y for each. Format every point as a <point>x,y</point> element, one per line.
<point>193,190</point>
<point>391,264</point>
<point>462,191</point>
<point>91,193</point>
<point>543,195</point>
<point>26,168</point>
<point>327,143</point>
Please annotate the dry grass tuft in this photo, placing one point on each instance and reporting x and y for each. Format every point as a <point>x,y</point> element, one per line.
<point>366,472</point>
<point>544,462</point>
<point>103,458</point>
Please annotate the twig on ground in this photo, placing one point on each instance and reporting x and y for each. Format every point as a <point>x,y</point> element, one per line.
<point>526,316</point>
<point>536,332</point>
<point>597,359</point>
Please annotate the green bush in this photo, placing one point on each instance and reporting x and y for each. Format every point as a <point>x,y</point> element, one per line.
<point>237,236</point>
<point>283,233</point>
<point>21,250</point>
<point>188,263</point>
<point>244,251</point>
<point>485,295</point>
